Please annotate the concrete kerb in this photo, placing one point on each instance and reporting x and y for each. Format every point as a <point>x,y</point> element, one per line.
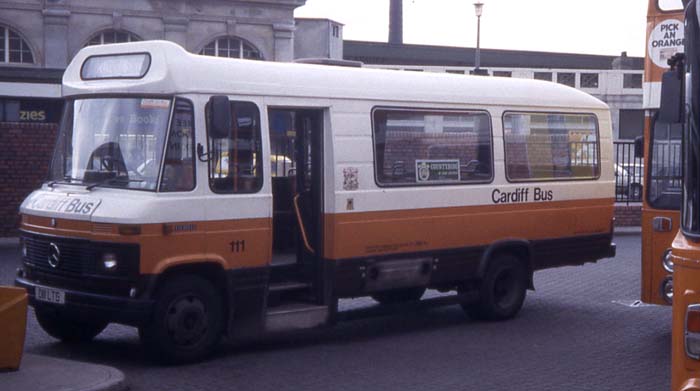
<point>42,373</point>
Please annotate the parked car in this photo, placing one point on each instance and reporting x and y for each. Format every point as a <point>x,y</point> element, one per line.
<point>629,181</point>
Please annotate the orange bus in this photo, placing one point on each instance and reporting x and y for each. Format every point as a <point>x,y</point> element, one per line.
<point>662,155</point>
<point>679,105</point>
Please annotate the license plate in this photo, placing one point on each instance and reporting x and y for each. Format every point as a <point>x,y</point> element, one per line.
<point>50,295</point>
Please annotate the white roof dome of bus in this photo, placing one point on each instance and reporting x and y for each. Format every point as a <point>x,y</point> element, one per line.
<point>175,71</point>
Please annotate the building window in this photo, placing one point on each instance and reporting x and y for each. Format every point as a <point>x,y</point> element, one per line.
<point>631,124</point>
<point>232,48</point>
<point>112,36</point>
<point>589,80</point>
<point>632,80</point>
<point>418,147</point>
<point>336,31</point>
<point>503,73</point>
<point>567,78</point>
<point>14,49</point>
<point>455,71</point>
<point>550,146</point>
<point>543,76</point>
<point>235,162</point>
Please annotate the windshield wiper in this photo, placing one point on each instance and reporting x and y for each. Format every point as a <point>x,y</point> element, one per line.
<point>66,179</point>
<point>112,180</point>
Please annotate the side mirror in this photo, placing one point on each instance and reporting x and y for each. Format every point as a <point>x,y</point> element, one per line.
<point>219,117</point>
<point>639,147</point>
<point>671,110</point>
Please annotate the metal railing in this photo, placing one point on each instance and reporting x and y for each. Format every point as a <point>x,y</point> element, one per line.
<point>629,173</point>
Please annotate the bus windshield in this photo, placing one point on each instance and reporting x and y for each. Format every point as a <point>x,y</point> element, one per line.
<point>111,142</point>
<point>671,5</point>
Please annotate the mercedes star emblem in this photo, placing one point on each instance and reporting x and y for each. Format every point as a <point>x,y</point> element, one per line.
<point>54,257</point>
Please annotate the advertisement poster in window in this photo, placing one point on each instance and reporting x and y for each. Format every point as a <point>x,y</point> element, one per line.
<point>437,171</point>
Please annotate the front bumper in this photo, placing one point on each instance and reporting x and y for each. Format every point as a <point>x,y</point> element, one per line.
<point>93,305</point>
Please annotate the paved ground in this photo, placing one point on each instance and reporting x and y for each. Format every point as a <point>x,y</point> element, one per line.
<point>570,335</point>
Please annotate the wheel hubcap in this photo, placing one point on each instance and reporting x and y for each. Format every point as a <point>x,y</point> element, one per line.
<point>504,289</point>
<point>186,320</point>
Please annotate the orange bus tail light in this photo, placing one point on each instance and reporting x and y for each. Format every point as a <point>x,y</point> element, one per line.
<point>692,331</point>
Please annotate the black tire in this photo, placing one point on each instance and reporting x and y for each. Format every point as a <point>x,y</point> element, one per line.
<point>402,295</point>
<point>502,290</point>
<point>187,321</point>
<point>68,329</point>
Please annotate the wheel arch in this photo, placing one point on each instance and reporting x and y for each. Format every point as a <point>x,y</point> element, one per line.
<point>520,248</point>
<point>209,270</point>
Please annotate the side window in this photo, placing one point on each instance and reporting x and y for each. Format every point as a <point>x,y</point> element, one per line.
<point>542,146</point>
<point>179,165</point>
<point>235,163</point>
<point>420,147</point>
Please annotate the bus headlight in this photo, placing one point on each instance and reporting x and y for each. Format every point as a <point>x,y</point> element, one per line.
<point>667,289</point>
<point>667,261</point>
<point>692,331</point>
<point>109,262</point>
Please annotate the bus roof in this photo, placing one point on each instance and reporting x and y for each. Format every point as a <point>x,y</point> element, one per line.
<point>173,70</point>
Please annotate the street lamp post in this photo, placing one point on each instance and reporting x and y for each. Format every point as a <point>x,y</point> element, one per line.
<point>478,10</point>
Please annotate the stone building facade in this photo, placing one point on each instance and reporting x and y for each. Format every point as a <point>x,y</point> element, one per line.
<point>55,30</point>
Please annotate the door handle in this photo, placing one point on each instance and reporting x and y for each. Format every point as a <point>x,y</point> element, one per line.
<point>662,224</point>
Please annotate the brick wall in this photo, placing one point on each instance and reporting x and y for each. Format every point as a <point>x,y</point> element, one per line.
<point>628,215</point>
<point>25,154</point>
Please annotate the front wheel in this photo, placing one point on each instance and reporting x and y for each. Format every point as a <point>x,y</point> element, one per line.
<point>187,321</point>
<point>67,328</point>
<point>502,290</point>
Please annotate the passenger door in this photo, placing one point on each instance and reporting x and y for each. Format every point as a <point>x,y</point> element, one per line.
<point>239,224</point>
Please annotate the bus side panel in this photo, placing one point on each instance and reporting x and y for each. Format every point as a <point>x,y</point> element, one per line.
<point>684,369</point>
<point>560,233</point>
<point>654,246</point>
<point>366,234</point>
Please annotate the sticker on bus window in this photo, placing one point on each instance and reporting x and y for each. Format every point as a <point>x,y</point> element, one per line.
<point>155,103</point>
<point>437,171</point>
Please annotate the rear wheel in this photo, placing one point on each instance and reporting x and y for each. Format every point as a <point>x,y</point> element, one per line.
<point>502,291</point>
<point>67,328</point>
<point>402,295</point>
<point>187,321</point>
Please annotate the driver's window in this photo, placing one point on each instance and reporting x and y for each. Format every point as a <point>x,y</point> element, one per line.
<point>179,167</point>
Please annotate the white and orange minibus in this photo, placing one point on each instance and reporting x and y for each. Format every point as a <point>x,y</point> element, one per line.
<point>195,197</point>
